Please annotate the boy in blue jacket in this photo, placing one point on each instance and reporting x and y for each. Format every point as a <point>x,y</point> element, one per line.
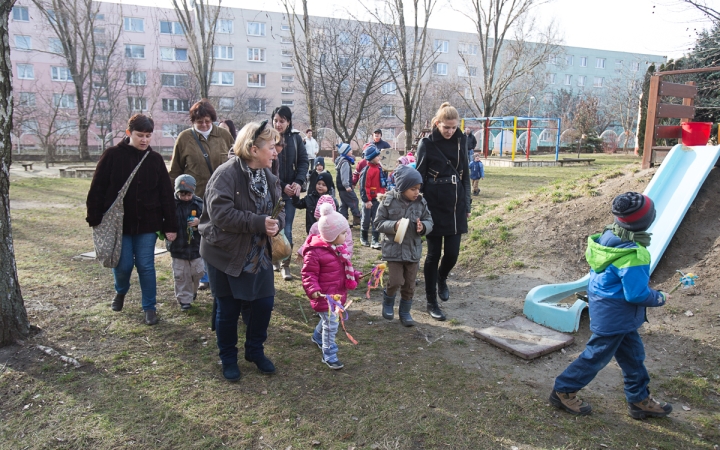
<point>618,294</point>
<point>477,172</point>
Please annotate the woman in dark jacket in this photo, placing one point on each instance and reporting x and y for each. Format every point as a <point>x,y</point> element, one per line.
<point>442,162</point>
<point>236,227</point>
<point>293,170</point>
<point>149,207</point>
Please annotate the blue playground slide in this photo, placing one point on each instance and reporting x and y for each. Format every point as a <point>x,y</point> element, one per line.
<point>673,189</point>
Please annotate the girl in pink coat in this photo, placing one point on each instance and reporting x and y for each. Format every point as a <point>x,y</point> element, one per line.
<point>314,228</point>
<point>327,270</point>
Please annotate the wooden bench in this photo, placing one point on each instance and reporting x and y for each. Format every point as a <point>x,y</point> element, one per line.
<point>26,166</point>
<point>576,160</point>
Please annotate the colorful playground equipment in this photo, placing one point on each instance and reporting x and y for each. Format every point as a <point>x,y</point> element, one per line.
<point>510,125</point>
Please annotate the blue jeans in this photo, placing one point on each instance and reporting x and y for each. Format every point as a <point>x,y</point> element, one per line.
<point>289,217</point>
<point>138,250</point>
<point>205,278</point>
<point>256,317</point>
<point>367,220</point>
<point>325,332</point>
<point>629,353</point>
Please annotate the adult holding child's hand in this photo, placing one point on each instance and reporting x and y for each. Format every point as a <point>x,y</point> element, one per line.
<point>236,227</point>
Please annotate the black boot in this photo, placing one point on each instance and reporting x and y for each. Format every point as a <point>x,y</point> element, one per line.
<point>376,240</point>
<point>433,308</point>
<point>404,313</point>
<point>387,306</point>
<point>443,291</point>
<point>364,238</point>
<point>118,302</point>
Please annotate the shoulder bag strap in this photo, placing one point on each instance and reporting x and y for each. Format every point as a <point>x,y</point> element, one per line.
<point>125,187</point>
<point>447,161</point>
<point>202,149</point>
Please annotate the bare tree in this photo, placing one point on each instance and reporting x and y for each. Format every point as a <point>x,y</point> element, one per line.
<point>404,43</point>
<point>88,49</point>
<point>622,97</point>
<point>305,54</point>
<point>13,317</point>
<point>702,5</point>
<point>510,63</point>
<point>200,22</point>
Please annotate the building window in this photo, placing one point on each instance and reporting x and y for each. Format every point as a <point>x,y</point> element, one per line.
<point>256,105</point>
<point>549,97</point>
<point>172,129</point>
<point>569,60</point>
<point>99,16</point>
<point>552,59</point>
<point>581,80</point>
<point>285,52</point>
<point>287,90</point>
<point>468,93</point>
<point>256,54</point>
<point>23,43</point>
<point>55,46</point>
<point>26,99</point>
<point>390,42</point>
<point>99,30</point>
<point>134,51</point>
<point>26,72</point>
<point>287,102</point>
<point>285,27</point>
<point>618,63</point>
<point>583,61</point>
<point>286,65</point>
<point>388,88</point>
<point>135,78</point>
<point>635,66</point>
<point>256,80</point>
<point>466,48</point>
<point>171,28</point>
<point>568,79</point>
<point>598,82</point>
<point>175,105</point>
<point>223,52</point>
<point>134,24</point>
<point>550,78</point>
<point>64,101</point>
<point>137,103</point>
<point>600,63</point>
<point>173,79</point>
<point>388,134</point>
<point>469,71</point>
<point>224,26</point>
<point>287,78</point>
<point>173,54</point>
<point>60,74</point>
<point>285,40</point>
<point>222,78</point>
<point>66,127</point>
<point>20,14</point>
<point>256,29</point>
<point>387,111</point>
<point>226,103</point>
<point>440,68</point>
<point>442,46</point>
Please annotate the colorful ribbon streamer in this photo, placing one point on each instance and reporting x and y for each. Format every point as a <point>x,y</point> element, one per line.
<point>686,281</point>
<point>376,278</point>
<point>336,309</point>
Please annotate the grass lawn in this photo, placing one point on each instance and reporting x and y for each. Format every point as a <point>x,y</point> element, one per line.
<point>161,386</point>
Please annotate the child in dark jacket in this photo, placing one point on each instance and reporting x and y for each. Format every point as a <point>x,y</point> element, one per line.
<point>309,202</point>
<point>403,258</point>
<point>477,173</point>
<point>372,183</point>
<point>618,294</point>
<point>187,265</point>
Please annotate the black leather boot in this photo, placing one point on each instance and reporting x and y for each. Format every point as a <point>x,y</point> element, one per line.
<point>433,308</point>
<point>364,238</point>
<point>443,291</point>
<point>387,306</point>
<point>404,313</point>
<point>118,302</point>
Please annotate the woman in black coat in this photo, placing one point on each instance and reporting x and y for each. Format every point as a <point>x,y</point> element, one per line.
<point>442,161</point>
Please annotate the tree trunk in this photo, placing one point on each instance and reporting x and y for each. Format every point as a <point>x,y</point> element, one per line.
<point>13,317</point>
<point>83,126</point>
<point>312,107</point>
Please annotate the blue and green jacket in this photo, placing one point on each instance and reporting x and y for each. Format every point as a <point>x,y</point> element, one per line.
<point>618,291</point>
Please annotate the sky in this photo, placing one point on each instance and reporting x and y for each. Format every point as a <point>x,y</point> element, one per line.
<point>658,27</point>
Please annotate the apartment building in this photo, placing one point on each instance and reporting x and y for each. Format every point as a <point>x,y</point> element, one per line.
<point>253,72</point>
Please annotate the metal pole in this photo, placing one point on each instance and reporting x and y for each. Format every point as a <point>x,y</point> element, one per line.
<point>529,138</point>
<point>514,140</point>
<point>557,141</point>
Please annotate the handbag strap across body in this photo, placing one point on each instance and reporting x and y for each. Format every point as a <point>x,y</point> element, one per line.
<point>204,153</point>
<point>125,187</point>
<point>452,179</point>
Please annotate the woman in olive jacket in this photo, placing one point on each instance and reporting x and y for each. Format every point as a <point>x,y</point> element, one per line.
<point>443,163</point>
<point>236,227</point>
<point>149,206</point>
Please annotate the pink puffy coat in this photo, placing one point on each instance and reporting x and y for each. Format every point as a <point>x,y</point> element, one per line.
<point>323,271</point>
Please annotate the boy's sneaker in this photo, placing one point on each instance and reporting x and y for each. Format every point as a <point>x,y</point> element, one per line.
<point>185,306</point>
<point>376,244</point>
<point>319,344</point>
<point>364,242</point>
<point>334,365</point>
<point>570,403</point>
<point>649,408</point>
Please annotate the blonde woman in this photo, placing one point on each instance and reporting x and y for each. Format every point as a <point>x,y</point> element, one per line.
<point>442,160</point>
<point>236,228</point>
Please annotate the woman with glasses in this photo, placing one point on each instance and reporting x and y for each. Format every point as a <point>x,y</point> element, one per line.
<point>200,150</point>
<point>236,227</point>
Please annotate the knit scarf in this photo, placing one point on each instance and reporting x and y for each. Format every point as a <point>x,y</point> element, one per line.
<point>342,252</point>
<point>639,237</point>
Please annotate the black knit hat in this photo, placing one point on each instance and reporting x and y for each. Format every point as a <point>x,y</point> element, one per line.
<point>633,211</point>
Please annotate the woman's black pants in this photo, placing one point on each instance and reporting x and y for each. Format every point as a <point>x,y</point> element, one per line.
<point>435,267</point>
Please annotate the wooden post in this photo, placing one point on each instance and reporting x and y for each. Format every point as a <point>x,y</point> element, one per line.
<point>650,121</point>
<point>688,102</point>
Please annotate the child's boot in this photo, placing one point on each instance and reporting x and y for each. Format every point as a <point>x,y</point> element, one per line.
<point>404,313</point>
<point>364,238</point>
<point>388,305</point>
<point>570,402</point>
<point>649,408</point>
